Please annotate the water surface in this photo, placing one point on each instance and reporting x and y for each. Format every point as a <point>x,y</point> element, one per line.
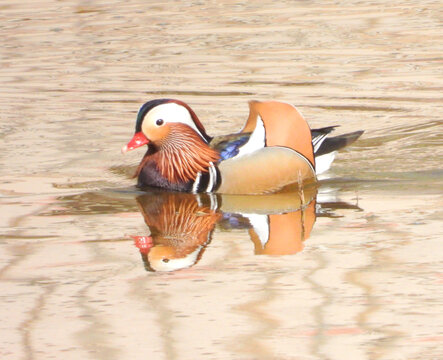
<point>356,271</point>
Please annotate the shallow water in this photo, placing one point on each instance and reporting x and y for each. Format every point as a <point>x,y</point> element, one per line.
<point>356,273</point>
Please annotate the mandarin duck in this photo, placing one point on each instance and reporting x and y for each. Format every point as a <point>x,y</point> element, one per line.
<point>274,150</point>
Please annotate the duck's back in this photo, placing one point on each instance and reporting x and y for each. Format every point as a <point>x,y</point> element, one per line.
<point>276,154</point>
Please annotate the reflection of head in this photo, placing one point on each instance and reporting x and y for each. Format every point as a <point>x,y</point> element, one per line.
<point>180,230</point>
<point>163,258</point>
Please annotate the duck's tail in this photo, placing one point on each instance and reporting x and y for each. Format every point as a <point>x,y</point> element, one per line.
<point>325,148</point>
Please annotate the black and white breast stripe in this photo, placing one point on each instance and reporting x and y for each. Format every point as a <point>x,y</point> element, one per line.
<point>208,181</point>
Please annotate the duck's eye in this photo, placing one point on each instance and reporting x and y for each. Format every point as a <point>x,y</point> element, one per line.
<point>159,122</point>
<point>165,260</point>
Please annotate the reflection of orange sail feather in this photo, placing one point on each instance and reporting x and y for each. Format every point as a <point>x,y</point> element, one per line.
<point>287,232</point>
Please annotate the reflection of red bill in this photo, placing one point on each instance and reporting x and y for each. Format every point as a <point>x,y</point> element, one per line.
<point>144,243</point>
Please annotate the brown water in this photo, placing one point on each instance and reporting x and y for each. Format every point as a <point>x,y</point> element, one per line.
<point>362,282</point>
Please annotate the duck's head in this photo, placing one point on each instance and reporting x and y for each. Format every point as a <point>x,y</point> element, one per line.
<point>176,137</point>
<point>162,121</point>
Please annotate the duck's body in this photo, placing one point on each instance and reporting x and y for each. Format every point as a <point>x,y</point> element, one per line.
<point>275,149</point>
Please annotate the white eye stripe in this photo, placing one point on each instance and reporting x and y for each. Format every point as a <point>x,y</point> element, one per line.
<point>172,113</point>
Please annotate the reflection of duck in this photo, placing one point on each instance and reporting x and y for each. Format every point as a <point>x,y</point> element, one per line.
<point>282,234</point>
<point>181,224</point>
<point>180,230</point>
<point>275,148</point>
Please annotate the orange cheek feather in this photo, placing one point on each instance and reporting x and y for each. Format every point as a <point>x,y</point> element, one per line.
<point>154,133</point>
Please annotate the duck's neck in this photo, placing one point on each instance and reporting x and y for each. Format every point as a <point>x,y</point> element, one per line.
<point>182,155</point>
